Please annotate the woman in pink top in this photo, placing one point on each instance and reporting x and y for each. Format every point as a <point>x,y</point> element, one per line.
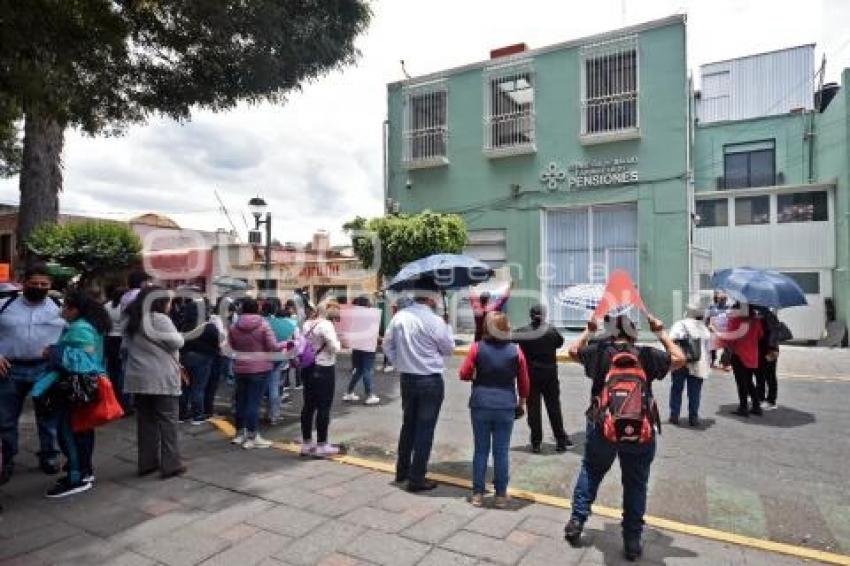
<point>254,347</point>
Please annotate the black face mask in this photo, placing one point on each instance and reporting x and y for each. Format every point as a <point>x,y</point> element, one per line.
<point>35,294</point>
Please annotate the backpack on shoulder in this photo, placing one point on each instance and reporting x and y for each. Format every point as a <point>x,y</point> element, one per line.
<point>625,409</point>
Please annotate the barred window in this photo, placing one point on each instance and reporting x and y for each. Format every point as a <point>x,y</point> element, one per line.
<point>609,86</point>
<point>509,109</point>
<point>425,126</point>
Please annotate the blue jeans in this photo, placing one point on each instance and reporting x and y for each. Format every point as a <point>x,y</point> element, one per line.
<point>249,395</point>
<point>216,371</point>
<point>14,388</point>
<point>199,366</point>
<point>364,368</point>
<point>678,379</point>
<point>273,392</point>
<point>78,448</point>
<point>492,426</point>
<point>421,399</point>
<point>599,455</point>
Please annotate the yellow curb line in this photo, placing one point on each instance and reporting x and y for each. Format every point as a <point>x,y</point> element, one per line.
<point>561,502</point>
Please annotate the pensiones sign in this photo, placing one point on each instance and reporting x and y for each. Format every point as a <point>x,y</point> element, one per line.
<point>602,172</point>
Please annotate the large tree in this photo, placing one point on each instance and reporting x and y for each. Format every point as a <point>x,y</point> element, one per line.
<point>99,65</point>
<point>403,238</point>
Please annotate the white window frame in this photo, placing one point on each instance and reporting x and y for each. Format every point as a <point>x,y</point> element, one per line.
<point>503,120</point>
<point>425,146</point>
<point>620,92</point>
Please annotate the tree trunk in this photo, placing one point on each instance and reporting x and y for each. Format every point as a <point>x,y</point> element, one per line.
<point>41,176</point>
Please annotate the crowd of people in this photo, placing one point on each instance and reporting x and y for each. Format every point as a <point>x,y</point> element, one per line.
<point>166,356</point>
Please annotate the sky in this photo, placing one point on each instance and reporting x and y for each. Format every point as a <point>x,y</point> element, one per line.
<point>317,158</point>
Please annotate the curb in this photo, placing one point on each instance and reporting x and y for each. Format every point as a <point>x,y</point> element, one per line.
<point>226,428</point>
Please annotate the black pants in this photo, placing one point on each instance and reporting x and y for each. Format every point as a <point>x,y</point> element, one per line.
<point>319,382</point>
<point>545,385</point>
<point>766,379</point>
<point>157,433</point>
<point>421,399</point>
<point>744,379</point>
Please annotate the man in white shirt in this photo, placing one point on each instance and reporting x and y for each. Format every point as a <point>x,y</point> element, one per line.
<point>416,342</point>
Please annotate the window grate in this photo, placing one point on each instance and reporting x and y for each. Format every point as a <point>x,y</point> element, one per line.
<point>425,126</point>
<point>609,86</point>
<point>509,108</point>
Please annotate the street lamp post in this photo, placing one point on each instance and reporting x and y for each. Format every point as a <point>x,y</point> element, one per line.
<point>258,207</point>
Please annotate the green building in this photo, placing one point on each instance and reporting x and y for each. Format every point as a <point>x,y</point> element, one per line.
<point>566,161</point>
<point>572,160</point>
<point>771,168</point>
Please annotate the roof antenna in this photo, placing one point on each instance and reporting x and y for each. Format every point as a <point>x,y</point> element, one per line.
<point>403,70</point>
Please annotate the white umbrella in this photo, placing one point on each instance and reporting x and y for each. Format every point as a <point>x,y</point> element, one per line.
<point>587,296</point>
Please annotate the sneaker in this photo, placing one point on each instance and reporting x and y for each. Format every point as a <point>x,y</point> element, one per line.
<point>239,438</point>
<point>64,488</point>
<point>768,406</point>
<point>352,397</point>
<point>326,450</point>
<point>756,410</point>
<point>299,387</point>
<point>572,533</point>
<point>535,448</point>
<point>674,419</point>
<point>389,369</point>
<point>632,549</point>
<point>564,446</point>
<point>373,400</point>
<point>741,412</point>
<point>198,422</point>
<point>308,448</point>
<point>477,499</point>
<point>693,421</point>
<point>88,478</point>
<point>426,485</point>
<point>501,502</point>
<point>49,466</point>
<point>257,441</point>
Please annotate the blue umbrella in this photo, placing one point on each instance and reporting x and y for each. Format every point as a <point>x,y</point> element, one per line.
<point>441,272</point>
<point>760,287</point>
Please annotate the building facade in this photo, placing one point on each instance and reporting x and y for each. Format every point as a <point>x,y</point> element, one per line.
<point>771,179</point>
<point>566,162</point>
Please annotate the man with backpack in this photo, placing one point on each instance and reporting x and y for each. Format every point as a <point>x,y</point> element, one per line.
<point>28,325</point>
<point>622,419</point>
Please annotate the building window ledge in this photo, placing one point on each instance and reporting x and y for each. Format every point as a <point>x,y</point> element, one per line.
<point>437,161</point>
<point>510,151</point>
<point>607,137</point>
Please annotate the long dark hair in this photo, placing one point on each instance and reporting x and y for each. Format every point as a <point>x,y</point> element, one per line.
<point>89,309</point>
<point>135,310</point>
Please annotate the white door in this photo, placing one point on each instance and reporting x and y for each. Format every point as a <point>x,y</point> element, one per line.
<point>584,245</point>
<point>809,322</point>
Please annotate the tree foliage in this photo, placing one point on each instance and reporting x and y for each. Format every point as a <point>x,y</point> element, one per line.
<point>10,142</point>
<point>91,248</point>
<point>99,64</point>
<point>404,238</point>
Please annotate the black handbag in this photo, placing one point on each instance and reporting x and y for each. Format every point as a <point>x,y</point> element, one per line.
<point>69,390</point>
<point>691,347</point>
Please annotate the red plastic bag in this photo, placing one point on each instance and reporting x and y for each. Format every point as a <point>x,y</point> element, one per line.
<point>97,413</point>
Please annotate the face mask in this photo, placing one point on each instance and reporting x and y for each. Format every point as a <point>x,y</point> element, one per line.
<point>35,294</point>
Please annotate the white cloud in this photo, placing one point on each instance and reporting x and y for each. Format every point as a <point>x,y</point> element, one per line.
<point>317,159</point>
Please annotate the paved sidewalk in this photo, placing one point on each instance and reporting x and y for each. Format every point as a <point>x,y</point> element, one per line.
<point>272,508</point>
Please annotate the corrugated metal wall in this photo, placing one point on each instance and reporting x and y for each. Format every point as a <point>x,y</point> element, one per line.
<point>759,85</point>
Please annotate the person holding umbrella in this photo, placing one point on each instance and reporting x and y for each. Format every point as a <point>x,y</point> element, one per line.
<point>742,338</point>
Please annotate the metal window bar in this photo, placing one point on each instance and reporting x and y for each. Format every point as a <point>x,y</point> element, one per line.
<point>425,125</point>
<point>509,108</point>
<point>610,86</point>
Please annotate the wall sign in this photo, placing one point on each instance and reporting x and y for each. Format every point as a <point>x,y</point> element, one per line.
<point>602,172</point>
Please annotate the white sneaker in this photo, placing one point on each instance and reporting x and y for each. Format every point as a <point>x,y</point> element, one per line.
<point>326,450</point>
<point>389,369</point>
<point>308,448</point>
<point>239,438</point>
<point>257,442</point>
<point>373,400</point>
<point>768,406</point>
<point>353,397</point>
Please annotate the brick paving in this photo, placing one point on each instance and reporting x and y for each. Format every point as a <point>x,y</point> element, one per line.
<point>271,508</point>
